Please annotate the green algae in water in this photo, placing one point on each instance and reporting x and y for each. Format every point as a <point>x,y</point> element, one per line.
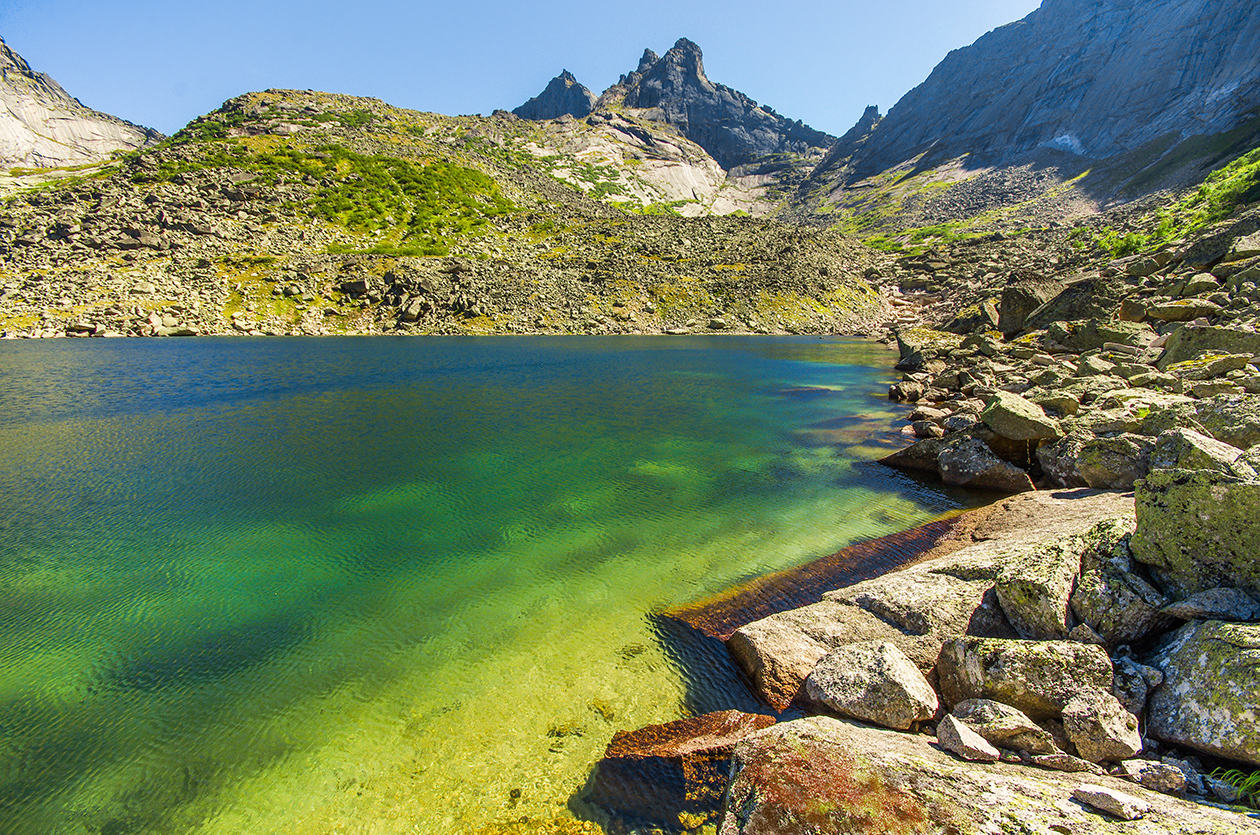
<point>376,585</point>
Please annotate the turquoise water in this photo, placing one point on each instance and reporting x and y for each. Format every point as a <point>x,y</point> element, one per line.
<point>389,585</point>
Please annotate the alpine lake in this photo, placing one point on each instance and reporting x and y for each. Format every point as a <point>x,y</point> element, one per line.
<point>394,585</point>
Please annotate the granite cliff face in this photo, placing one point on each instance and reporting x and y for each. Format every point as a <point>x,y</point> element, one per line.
<point>1095,78</point>
<point>42,126</point>
<point>562,96</point>
<point>673,89</point>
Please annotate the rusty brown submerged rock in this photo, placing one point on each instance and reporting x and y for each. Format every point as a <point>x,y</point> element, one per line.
<point>675,773</point>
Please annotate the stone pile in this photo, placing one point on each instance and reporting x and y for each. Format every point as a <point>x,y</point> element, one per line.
<point>1077,646</point>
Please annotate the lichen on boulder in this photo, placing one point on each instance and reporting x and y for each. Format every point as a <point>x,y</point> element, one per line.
<point>1210,698</point>
<point>1037,677</point>
<point>1198,530</point>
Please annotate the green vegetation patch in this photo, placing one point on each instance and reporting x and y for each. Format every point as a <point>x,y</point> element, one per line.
<point>421,206</point>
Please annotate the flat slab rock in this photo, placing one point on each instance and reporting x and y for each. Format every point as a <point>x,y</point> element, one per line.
<point>921,607</point>
<point>826,775</point>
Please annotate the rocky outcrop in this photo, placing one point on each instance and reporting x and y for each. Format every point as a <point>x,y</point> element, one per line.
<point>733,128</point>
<point>1093,79</point>
<point>42,126</point>
<point>563,96</point>
<point>825,775</point>
<point>1037,677</point>
<point>919,608</point>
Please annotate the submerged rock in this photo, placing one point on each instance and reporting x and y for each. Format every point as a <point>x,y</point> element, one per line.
<point>673,773</point>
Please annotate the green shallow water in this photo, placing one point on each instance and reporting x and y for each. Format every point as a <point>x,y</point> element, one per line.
<point>388,586</point>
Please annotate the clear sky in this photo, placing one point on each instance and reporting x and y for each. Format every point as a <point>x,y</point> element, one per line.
<point>161,63</point>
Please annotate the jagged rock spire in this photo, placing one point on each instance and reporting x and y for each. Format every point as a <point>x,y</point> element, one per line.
<point>562,96</point>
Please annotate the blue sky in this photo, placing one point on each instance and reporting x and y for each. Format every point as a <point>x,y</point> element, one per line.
<point>162,63</point>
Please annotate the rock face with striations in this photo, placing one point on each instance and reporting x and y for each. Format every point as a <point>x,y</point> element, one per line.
<point>42,126</point>
<point>562,96</point>
<point>1094,78</point>
<point>733,128</point>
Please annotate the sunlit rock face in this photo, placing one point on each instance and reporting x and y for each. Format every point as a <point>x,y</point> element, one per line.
<point>42,126</point>
<point>1088,78</point>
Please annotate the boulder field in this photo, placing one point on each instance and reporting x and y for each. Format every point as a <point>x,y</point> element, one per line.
<point>1085,657</point>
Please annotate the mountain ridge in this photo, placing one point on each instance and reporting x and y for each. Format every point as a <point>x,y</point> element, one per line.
<point>43,126</point>
<point>673,89</point>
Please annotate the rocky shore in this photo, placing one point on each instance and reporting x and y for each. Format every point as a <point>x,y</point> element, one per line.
<point>1080,657</point>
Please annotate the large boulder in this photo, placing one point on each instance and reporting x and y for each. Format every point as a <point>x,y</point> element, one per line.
<point>1013,417</point>
<point>1114,463</point>
<point>968,462</point>
<point>1082,459</point>
<point>1232,418</point>
<point>1186,449</point>
<point>823,775</point>
<point>1192,341</point>
<point>1210,698</point>
<point>874,682</point>
<point>1112,597</point>
<point>1035,584</point>
<point>674,773</point>
<point>1022,298</point>
<point>1037,677</point>
<point>1198,530</point>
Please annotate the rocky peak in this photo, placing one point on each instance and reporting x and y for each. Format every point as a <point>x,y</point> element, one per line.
<point>1094,78</point>
<point>562,96</point>
<point>848,145</point>
<point>42,126</point>
<point>733,128</point>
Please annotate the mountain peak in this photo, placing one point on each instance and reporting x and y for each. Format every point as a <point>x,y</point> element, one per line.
<point>563,96</point>
<point>733,128</point>
<point>42,126</point>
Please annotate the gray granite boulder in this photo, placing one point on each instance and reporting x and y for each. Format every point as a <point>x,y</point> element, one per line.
<point>1100,728</point>
<point>1199,530</point>
<point>1037,677</point>
<point>1186,449</point>
<point>1192,341</point>
<point>1004,726</point>
<point>874,682</point>
<point>823,775</point>
<point>1216,604</point>
<point>970,463</point>
<point>1034,585</point>
<point>1232,418</point>
<point>1112,597</point>
<point>1018,419</point>
<point>1210,698</point>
